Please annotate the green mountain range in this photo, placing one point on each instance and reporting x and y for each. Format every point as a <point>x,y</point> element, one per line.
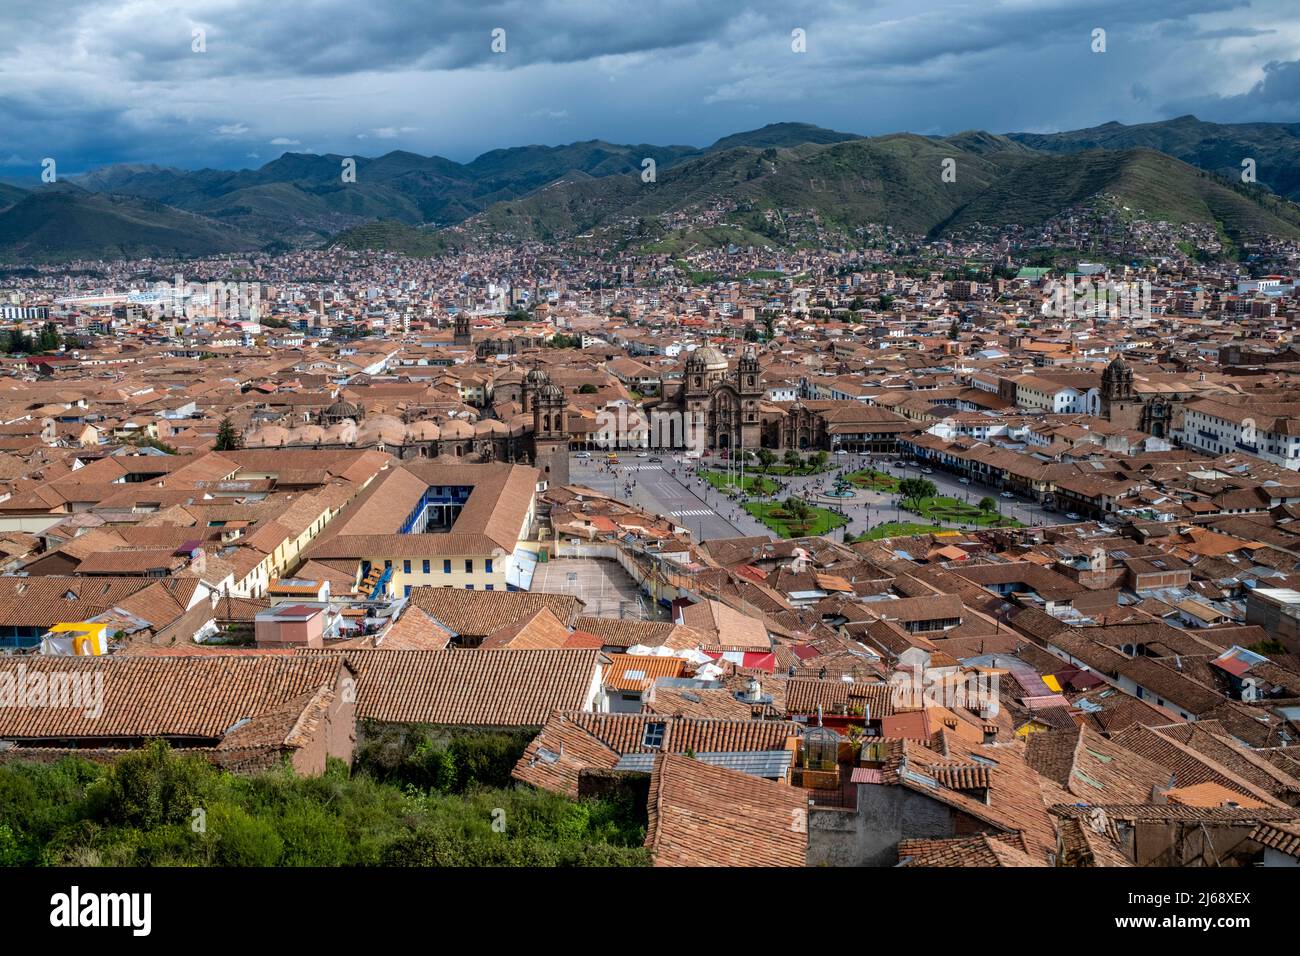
<point>894,180</point>
<point>1215,147</point>
<point>60,221</point>
<point>771,181</point>
<point>10,194</point>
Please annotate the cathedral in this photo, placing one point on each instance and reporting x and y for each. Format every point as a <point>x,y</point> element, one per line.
<point>1122,405</point>
<point>537,436</point>
<point>725,404</point>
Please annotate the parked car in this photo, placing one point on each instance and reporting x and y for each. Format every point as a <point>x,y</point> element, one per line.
<point>583,454</point>
<point>927,471</point>
<point>963,481</point>
<point>656,461</point>
<point>1007,494</point>
<point>643,454</point>
<point>1074,517</point>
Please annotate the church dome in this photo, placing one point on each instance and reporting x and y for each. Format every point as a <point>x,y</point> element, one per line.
<point>268,436</point>
<point>457,429</point>
<point>552,391</point>
<point>706,357</point>
<point>425,430</point>
<point>341,410</point>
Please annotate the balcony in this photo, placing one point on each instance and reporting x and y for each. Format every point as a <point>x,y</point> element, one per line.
<point>823,769</point>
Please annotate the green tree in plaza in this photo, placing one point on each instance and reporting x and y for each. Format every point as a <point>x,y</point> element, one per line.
<point>913,490</point>
<point>798,509</point>
<point>766,459</point>
<point>988,505</point>
<point>792,458</point>
<point>819,460</point>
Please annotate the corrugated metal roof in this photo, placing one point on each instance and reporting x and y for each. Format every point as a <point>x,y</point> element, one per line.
<point>771,764</point>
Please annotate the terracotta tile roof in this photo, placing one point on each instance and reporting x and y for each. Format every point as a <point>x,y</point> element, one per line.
<point>49,600</point>
<point>476,614</point>
<point>1081,843</point>
<point>1212,740</point>
<point>187,696</point>
<point>625,632</point>
<point>491,517</point>
<point>1094,768</point>
<point>558,755</point>
<point>1179,812</point>
<point>718,703</point>
<point>501,688</point>
<point>1210,794</point>
<point>626,733</point>
<point>540,629</point>
<point>1016,794</point>
<point>636,672</point>
<point>982,850</point>
<point>804,696</point>
<point>703,815</point>
<point>1283,837</point>
<point>570,734</point>
<point>732,628</point>
<point>1186,765</point>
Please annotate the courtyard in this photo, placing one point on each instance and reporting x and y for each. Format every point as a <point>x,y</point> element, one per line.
<point>601,584</point>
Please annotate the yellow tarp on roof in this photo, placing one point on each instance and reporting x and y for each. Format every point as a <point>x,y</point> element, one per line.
<point>1051,681</point>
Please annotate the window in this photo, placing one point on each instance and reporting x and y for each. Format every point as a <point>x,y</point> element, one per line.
<point>446,566</point>
<point>469,565</point>
<point>469,587</point>
<point>487,587</point>
<point>388,565</point>
<point>406,591</point>
<point>487,565</point>
<point>406,567</point>
<point>426,565</point>
<point>654,735</point>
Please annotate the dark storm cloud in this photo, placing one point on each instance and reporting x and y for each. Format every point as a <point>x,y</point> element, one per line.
<point>1276,96</point>
<point>98,81</point>
<point>338,37</point>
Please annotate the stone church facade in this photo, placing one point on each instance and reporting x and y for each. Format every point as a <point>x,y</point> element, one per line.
<point>723,403</point>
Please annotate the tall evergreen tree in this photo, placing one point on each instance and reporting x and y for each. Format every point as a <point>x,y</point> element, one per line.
<point>228,438</point>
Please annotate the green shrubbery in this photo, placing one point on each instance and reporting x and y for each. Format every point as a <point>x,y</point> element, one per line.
<point>441,802</point>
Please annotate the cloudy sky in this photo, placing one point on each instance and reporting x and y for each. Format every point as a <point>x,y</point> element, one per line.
<point>92,82</point>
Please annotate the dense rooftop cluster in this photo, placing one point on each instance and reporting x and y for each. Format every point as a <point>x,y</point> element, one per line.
<point>372,492</point>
